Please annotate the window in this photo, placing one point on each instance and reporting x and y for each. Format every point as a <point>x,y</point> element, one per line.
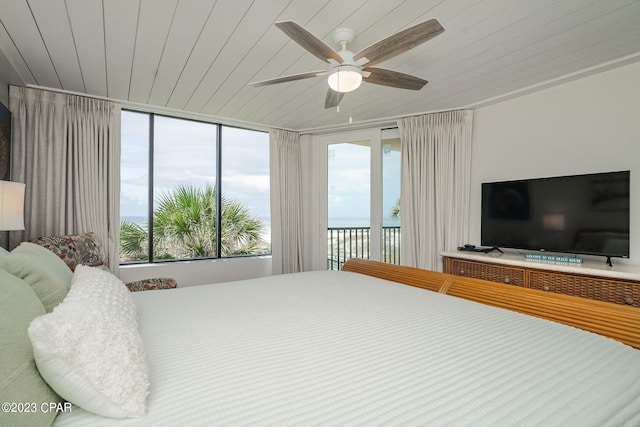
<point>245,184</point>
<point>348,201</point>
<point>204,177</point>
<point>391,200</point>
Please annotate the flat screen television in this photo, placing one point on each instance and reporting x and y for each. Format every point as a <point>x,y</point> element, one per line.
<point>579,214</point>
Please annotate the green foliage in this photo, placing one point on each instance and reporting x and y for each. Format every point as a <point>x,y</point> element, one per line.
<point>184,226</point>
<point>133,240</point>
<point>395,210</point>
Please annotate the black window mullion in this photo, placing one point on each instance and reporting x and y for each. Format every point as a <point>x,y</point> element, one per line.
<point>218,191</point>
<point>150,213</point>
<point>151,191</point>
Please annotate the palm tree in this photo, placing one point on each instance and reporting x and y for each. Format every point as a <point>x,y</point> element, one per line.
<point>133,240</point>
<point>184,226</point>
<point>395,210</point>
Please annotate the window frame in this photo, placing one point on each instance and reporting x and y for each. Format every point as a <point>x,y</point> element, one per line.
<point>218,188</point>
<point>376,136</point>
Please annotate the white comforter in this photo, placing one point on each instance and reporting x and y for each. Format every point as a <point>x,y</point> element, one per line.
<point>337,348</point>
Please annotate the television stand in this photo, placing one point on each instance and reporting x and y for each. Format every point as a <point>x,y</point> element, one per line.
<point>609,263</point>
<point>619,284</point>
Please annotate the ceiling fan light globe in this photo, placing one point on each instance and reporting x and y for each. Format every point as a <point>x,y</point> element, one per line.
<point>345,79</point>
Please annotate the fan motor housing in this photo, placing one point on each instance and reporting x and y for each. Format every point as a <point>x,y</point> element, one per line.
<point>346,35</point>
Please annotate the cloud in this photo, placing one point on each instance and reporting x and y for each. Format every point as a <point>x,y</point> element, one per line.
<point>246,183</point>
<point>185,154</point>
<point>130,206</point>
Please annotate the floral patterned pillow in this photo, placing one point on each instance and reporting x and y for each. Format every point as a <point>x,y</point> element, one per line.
<point>152,284</point>
<point>74,249</point>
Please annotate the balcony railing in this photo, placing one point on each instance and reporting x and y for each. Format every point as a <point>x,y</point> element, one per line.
<point>353,242</point>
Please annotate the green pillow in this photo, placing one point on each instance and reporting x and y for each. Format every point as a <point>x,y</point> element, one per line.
<point>43,270</point>
<point>20,380</point>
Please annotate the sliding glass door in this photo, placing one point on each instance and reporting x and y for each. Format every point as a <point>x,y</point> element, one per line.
<point>360,197</point>
<point>348,201</point>
<point>390,197</point>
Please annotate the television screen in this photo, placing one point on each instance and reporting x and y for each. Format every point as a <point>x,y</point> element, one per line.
<point>581,214</point>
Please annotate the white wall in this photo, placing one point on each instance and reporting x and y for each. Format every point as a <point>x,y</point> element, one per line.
<point>189,273</point>
<point>8,75</point>
<point>589,125</point>
<point>6,70</point>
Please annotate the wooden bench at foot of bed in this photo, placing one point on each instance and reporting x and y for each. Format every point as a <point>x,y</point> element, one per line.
<point>616,321</point>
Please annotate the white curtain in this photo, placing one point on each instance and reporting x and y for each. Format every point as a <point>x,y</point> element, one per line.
<point>66,149</point>
<point>286,201</point>
<point>434,195</point>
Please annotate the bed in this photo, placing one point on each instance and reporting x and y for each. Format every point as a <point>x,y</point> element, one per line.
<point>360,347</point>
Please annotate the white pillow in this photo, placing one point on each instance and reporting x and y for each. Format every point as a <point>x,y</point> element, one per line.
<point>89,349</point>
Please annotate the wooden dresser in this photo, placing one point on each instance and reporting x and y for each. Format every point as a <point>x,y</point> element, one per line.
<point>620,284</point>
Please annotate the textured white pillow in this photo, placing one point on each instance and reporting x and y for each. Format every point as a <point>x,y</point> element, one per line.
<point>89,349</point>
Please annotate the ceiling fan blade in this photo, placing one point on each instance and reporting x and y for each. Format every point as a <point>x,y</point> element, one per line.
<point>333,98</point>
<point>383,77</point>
<point>290,78</point>
<point>308,41</point>
<point>400,42</point>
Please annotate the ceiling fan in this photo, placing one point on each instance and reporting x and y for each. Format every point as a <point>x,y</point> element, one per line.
<point>348,70</point>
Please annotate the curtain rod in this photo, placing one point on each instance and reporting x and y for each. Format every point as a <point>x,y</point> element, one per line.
<point>164,110</point>
<point>386,122</point>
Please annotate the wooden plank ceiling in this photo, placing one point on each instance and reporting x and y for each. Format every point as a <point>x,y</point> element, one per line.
<point>199,55</point>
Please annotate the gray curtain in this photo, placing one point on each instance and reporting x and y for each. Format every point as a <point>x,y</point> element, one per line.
<point>66,149</point>
<point>286,201</point>
<point>435,180</point>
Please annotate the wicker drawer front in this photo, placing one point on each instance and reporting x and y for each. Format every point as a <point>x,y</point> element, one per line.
<point>486,271</point>
<point>619,292</point>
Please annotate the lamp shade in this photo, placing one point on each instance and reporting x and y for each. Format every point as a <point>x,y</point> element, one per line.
<point>345,78</point>
<point>11,206</point>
